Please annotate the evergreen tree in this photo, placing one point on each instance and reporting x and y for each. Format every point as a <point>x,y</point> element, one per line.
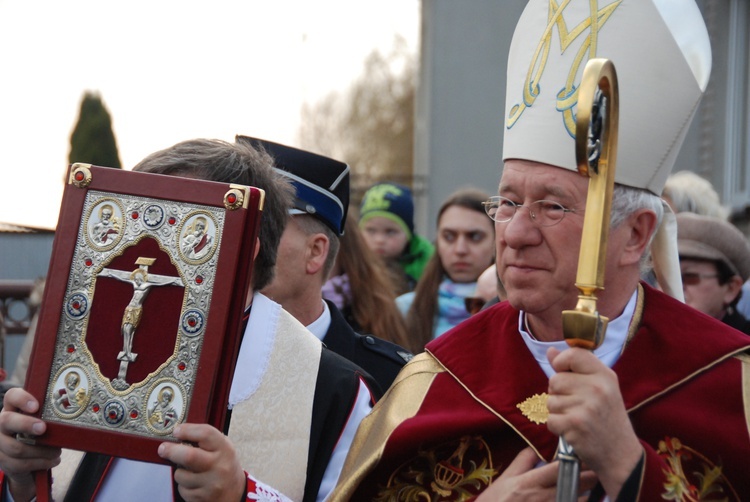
<point>92,140</point>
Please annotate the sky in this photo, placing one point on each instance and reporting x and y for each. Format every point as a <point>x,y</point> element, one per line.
<point>168,71</point>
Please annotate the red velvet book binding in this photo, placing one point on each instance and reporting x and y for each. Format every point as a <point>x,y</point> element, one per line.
<point>140,323</point>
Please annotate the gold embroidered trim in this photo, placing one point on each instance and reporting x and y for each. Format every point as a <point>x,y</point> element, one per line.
<point>401,402</point>
<point>745,360</point>
<point>535,408</point>
<point>737,353</point>
<point>635,322</point>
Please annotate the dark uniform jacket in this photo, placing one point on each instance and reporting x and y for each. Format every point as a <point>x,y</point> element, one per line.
<point>381,359</point>
<point>737,321</point>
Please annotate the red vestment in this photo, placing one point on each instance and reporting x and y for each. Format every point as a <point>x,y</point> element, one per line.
<point>451,422</point>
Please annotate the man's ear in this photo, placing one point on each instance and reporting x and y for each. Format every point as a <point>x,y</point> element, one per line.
<point>642,225</point>
<point>318,247</point>
<point>734,286</point>
<point>250,291</point>
<point>257,248</point>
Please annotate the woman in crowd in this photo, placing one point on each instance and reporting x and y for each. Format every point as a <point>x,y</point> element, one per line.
<point>360,285</point>
<point>465,247</point>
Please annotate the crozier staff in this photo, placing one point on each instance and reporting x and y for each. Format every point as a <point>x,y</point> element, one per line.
<point>596,154</point>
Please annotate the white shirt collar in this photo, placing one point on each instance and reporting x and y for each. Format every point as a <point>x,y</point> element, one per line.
<point>319,327</point>
<point>608,352</point>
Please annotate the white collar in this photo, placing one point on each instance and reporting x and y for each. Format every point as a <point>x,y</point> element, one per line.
<point>319,327</point>
<point>608,352</point>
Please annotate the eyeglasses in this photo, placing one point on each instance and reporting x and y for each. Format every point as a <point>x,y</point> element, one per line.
<point>694,278</point>
<point>544,212</point>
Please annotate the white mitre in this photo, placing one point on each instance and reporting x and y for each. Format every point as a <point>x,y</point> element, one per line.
<point>662,56</point>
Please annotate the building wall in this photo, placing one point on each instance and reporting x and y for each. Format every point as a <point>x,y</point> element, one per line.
<point>721,143</point>
<point>23,257</point>
<point>460,99</point>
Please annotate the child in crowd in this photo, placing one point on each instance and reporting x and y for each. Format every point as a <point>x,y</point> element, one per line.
<point>387,224</point>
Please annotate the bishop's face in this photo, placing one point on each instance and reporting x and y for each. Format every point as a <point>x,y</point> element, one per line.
<point>538,264</point>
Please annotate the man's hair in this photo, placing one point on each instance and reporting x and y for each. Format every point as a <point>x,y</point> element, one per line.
<point>311,225</point>
<point>217,160</point>
<point>627,200</point>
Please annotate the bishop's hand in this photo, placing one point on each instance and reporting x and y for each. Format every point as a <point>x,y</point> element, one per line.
<point>587,409</point>
<point>524,481</point>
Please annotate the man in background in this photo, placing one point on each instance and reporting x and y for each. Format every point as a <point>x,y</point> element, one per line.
<point>307,253</point>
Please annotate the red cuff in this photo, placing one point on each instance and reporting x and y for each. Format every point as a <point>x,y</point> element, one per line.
<point>251,486</point>
<point>257,490</point>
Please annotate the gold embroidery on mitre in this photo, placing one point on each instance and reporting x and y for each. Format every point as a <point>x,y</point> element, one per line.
<point>588,30</point>
<point>535,408</point>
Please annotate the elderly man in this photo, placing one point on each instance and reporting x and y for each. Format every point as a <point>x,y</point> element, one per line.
<point>653,413</point>
<point>294,404</point>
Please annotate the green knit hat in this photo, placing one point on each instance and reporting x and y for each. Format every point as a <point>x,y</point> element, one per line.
<point>389,200</point>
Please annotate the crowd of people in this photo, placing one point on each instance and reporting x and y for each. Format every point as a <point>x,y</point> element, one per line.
<point>378,364</point>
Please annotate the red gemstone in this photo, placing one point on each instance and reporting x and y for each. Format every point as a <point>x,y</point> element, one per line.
<point>199,279</point>
<point>95,408</point>
<point>172,220</point>
<point>89,262</point>
<point>76,305</point>
<point>192,321</point>
<point>181,366</point>
<point>113,414</point>
<point>79,176</point>
<point>134,215</point>
<point>71,349</point>
<point>134,414</point>
<point>231,198</point>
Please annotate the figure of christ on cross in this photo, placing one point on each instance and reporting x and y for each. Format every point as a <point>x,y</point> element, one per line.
<point>142,282</point>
